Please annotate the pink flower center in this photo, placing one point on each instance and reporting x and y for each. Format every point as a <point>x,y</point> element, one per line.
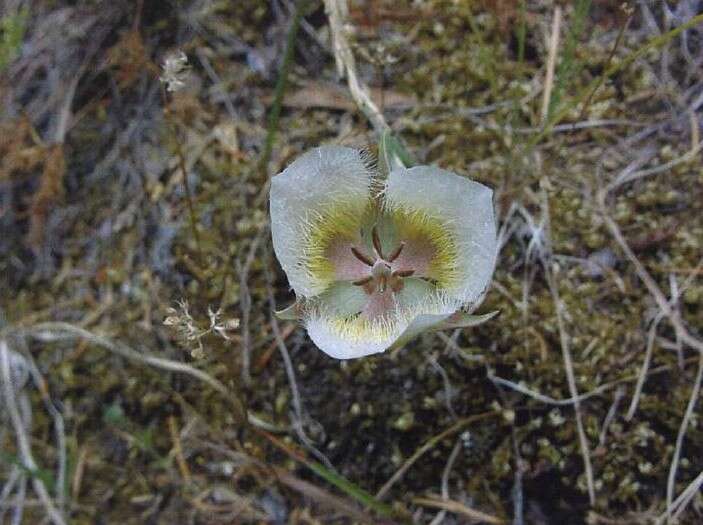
<point>382,274</point>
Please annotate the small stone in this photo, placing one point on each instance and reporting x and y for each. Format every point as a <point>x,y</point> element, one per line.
<point>404,422</point>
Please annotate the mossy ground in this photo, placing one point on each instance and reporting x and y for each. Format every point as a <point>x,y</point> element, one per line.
<point>115,249</point>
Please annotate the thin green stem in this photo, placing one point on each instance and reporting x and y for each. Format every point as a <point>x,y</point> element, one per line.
<point>281,84</point>
<point>609,72</point>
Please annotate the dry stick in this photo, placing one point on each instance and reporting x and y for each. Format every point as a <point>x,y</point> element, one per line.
<point>48,331</point>
<point>547,400</point>
<point>23,445</point>
<point>610,415</point>
<point>59,429</point>
<point>571,379</point>
<point>551,63</point>
<point>662,302</point>
<point>178,450</point>
<point>651,337</point>
<point>13,478</point>
<point>681,332</point>
<point>662,168</point>
<point>20,498</point>
<point>684,499</point>
<point>322,496</point>
<point>290,374</point>
<point>568,362</point>
<point>337,11</point>
<point>245,300</point>
<point>671,481</point>
<point>429,445</point>
<point>439,518</point>
<point>459,508</point>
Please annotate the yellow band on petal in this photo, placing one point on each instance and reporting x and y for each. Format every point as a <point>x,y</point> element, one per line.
<point>337,222</point>
<point>420,226</point>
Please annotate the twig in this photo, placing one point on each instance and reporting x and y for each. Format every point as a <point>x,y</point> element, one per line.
<point>547,399</point>
<point>23,445</point>
<point>671,481</point>
<point>290,374</point>
<point>59,429</point>
<point>245,303</point>
<point>571,379</point>
<point>610,415</point>
<point>651,337</point>
<point>429,445</point>
<point>551,63</point>
<point>178,450</point>
<point>439,518</point>
<point>322,496</point>
<point>337,11</point>
<point>568,363</point>
<point>663,304</point>
<point>459,508</point>
<point>53,331</point>
<point>683,500</point>
<point>624,178</point>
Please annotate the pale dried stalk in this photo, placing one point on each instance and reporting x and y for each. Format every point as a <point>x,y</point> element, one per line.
<point>456,507</point>
<point>551,63</point>
<point>23,446</point>
<point>337,12</point>
<point>671,481</point>
<point>680,504</point>
<point>571,379</point>
<point>651,337</point>
<point>566,356</point>
<point>682,334</point>
<point>54,331</point>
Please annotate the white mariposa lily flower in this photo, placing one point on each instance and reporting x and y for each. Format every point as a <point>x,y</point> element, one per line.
<point>375,262</point>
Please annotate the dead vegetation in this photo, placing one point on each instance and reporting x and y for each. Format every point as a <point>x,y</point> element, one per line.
<point>123,206</point>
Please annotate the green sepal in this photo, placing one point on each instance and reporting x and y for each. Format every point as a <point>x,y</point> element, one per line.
<point>290,313</point>
<point>392,154</point>
<point>464,320</point>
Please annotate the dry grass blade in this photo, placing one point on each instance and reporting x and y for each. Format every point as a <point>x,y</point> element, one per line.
<point>455,507</point>
<point>53,331</point>
<point>671,482</point>
<point>322,497</point>
<point>23,443</point>
<point>337,11</point>
<point>429,445</point>
<point>551,63</point>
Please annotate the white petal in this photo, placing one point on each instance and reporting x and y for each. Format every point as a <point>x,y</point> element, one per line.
<point>342,336</point>
<point>465,207</point>
<point>345,340</point>
<point>321,182</point>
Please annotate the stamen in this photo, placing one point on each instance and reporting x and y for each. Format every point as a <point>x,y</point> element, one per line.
<point>382,284</point>
<point>403,273</point>
<point>394,255</point>
<point>362,257</point>
<point>376,242</point>
<point>363,281</point>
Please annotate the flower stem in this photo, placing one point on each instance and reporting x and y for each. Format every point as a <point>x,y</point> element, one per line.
<point>281,84</point>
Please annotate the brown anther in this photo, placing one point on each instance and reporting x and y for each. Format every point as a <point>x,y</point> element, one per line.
<point>363,281</point>
<point>376,242</point>
<point>362,257</point>
<point>394,255</point>
<point>403,273</point>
